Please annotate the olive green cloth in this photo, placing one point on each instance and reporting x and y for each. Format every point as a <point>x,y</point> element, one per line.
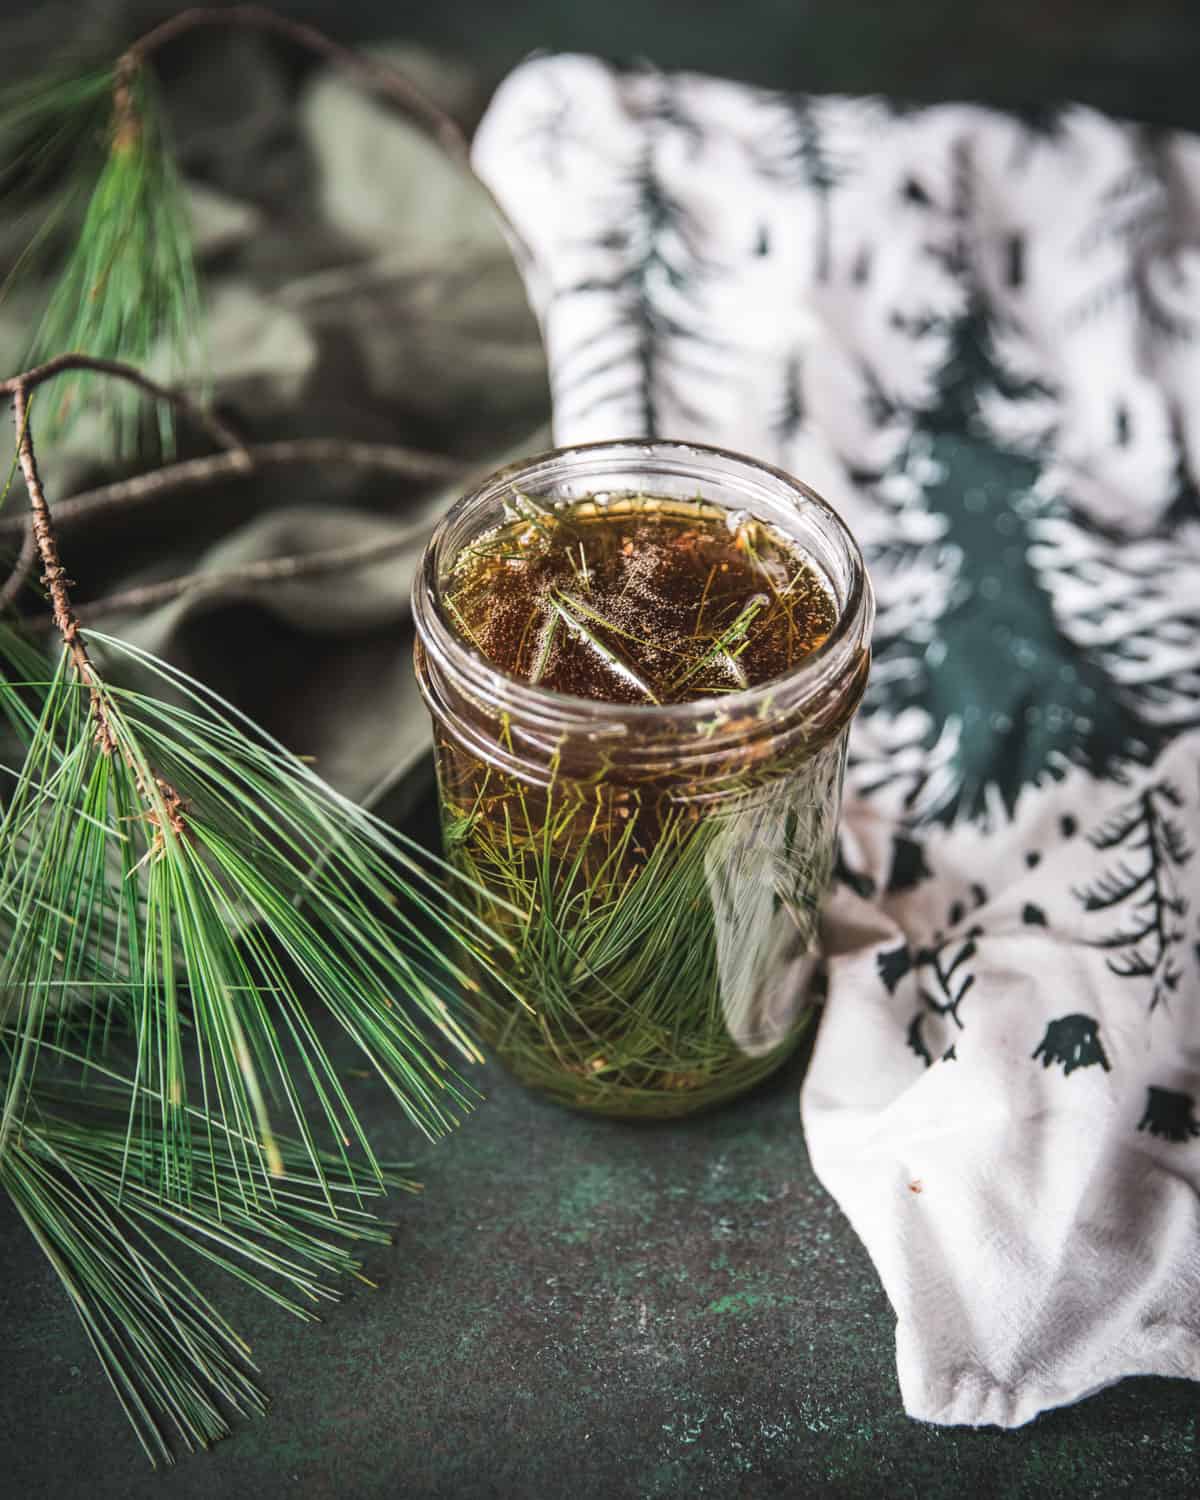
<point>357,285</point>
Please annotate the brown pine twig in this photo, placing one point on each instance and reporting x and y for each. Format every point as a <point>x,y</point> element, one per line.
<point>236,457</point>
<point>54,575</point>
<point>221,434</point>
<point>163,801</point>
<point>195,473</point>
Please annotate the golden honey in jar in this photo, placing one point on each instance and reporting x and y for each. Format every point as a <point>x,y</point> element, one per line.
<point>641,660</point>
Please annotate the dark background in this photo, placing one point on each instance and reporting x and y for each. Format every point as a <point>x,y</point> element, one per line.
<point>595,1310</point>
<point>1126,57</point>
<point>1137,59</point>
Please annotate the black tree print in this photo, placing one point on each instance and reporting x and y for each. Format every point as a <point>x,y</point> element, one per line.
<point>789,414</point>
<point>917,1043</point>
<point>1141,889</point>
<point>548,130</point>
<point>797,152</point>
<point>846,874</point>
<point>1170,1115</point>
<point>1171,324</point>
<point>908,864</point>
<point>1074,1041</point>
<point>653,344</point>
<point>943,970</point>
<point>907,870</point>
<point>943,967</point>
<point>948,977</point>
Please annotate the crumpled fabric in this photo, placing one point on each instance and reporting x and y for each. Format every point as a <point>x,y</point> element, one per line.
<point>356,285</point>
<point>979,338</point>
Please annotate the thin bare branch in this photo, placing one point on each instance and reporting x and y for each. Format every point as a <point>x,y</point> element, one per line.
<point>273,570</point>
<point>19,387</point>
<point>223,435</point>
<point>22,568</point>
<point>195,473</point>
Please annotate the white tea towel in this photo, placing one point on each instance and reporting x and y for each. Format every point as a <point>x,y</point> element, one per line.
<point>979,337</point>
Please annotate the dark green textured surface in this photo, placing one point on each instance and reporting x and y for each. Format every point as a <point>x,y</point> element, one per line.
<point>583,1309</point>
<point>586,1309</point>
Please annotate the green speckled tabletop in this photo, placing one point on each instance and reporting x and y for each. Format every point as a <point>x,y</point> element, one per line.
<point>586,1309</point>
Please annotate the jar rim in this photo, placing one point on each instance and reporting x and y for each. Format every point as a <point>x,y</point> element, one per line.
<point>822,667</point>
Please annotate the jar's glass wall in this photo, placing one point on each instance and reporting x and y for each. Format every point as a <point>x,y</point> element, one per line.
<point>657,873</point>
<point>661,945</point>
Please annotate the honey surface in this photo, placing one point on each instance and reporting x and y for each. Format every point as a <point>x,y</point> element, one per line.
<point>638,600</point>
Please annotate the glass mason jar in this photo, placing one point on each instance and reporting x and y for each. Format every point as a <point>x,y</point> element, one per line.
<point>657,871</point>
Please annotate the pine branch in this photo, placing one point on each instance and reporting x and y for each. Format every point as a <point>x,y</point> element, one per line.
<point>174,829</point>
<point>54,575</point>
<point>163,1346</point>
<point>178,890</point>
<point>129,287</point>
<point>172,882</point>
<point>27,557</point>
<point>45,542</point>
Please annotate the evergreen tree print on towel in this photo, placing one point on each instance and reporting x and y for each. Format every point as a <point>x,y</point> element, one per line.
<point>1086,207</point>
<point>1141,889</point>
<point>798,152</point>
<point>1074,1042</point>
<point>1000,697</point>
<point>653,343</point>
<point>944,975</point>
<point>859,881</point>
<point>915,1038</point>
<point>1170,1115</point>
<point>908,867</point>
<point>1100,636</point>
<point>790,411</point>
<point>948,977</point>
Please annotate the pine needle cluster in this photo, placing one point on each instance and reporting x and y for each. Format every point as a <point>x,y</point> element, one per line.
<point>128,290</point>
<point>89,157</point>
<point>185,907</point>
<point>179,899</point>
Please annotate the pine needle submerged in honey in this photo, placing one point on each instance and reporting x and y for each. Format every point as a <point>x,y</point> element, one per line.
<point>653,921</point>
<point>638,599</point>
